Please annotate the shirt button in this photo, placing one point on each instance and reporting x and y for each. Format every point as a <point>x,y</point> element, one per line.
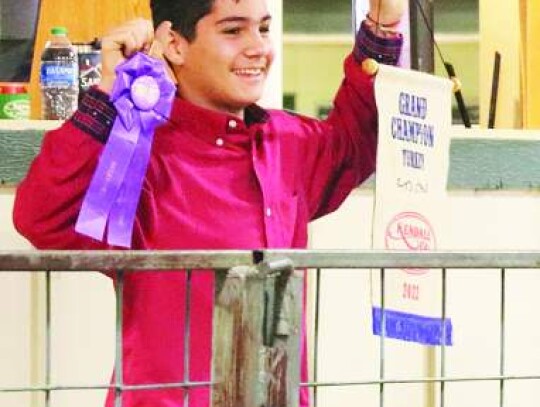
<point>219,142</point>
<point>268,212</point>
<point>233,124</point>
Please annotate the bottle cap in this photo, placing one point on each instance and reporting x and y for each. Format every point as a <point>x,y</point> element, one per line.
<point>59,31</point>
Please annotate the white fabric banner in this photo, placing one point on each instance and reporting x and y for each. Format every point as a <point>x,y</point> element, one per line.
<point>410,200</point>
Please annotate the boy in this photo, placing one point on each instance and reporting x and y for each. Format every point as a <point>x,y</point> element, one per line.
<point>224,173</point>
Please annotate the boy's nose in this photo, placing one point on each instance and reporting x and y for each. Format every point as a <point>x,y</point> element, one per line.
<point>257,45</point>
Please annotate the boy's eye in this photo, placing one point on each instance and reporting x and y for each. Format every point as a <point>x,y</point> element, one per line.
<point>265,29</point>
<point>231,30</point>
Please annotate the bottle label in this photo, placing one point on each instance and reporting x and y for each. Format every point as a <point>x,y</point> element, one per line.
<point>89,69</point>
<point>60,74</point>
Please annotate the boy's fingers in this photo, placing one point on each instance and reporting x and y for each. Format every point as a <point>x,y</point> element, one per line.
<point>121,43</point>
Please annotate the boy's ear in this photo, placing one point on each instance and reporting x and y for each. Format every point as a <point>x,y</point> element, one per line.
<point>173,44</point>
<point>177,49</point>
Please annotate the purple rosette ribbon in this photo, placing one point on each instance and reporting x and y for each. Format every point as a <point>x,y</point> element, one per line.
<point>143,96</point>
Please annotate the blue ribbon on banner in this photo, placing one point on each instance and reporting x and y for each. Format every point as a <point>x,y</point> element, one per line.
<point>412,328</point>
<point>143,96</point>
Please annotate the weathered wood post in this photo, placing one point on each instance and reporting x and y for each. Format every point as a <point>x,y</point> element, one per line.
<point>257,328</point>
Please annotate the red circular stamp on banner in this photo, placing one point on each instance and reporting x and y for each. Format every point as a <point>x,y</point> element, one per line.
<point>410,231</point>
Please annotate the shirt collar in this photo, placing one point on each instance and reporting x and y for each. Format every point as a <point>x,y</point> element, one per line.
<point>208,123</point>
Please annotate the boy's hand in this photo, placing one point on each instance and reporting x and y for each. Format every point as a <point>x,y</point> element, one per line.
<point>387,11</point>
<point>119,44</point>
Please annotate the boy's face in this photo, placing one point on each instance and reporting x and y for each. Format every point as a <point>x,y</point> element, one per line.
<point>224,68</point>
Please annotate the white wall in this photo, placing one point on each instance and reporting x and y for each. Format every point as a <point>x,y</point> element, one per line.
<point>15,312</point>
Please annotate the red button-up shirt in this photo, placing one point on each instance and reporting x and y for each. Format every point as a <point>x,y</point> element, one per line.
<point>213,182</point>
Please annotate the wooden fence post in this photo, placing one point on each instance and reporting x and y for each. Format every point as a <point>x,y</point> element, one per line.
<point>257,328</point>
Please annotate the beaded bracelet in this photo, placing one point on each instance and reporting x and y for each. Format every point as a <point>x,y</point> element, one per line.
<point>385,26</point>
<point>384,30</point>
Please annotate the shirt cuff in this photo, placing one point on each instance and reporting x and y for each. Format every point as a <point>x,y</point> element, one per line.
<point>369,45</point>
<point>95,115</point>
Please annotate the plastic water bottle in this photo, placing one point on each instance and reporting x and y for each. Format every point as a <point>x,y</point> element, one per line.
<point>59,77</point>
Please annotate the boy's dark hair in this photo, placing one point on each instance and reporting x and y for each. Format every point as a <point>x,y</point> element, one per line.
<point>183,14</point>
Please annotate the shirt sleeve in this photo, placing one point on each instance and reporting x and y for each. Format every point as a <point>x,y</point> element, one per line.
<point>342,149</point>
<point>48,199</point>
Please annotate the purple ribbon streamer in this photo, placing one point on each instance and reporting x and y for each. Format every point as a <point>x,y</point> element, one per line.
<point>143,96</point>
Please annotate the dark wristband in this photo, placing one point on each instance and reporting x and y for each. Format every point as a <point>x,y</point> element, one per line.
<point>382,49</point>
<point>95,115</point>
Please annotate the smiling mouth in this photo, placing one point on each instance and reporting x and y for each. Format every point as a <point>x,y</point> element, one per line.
<point>249,72</point>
